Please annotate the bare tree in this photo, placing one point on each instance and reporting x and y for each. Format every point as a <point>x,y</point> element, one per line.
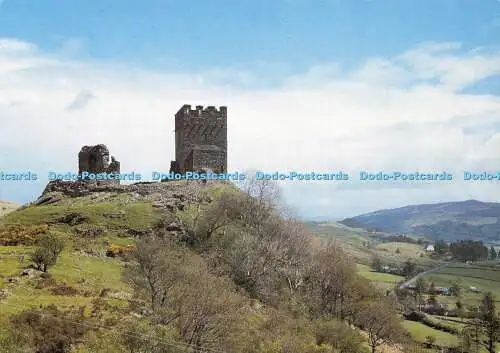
<point>183,293</point>
<point>275,255</point>
<point>380,323</point>
<point>204,220</point>
<point>157,269</point>
<point>207,311</point>
<point>293,253</point>
<point>262,199</point>
<point>266,192</point>
<point>332,281</point>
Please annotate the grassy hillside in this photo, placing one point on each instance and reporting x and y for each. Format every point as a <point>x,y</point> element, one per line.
<point>83,277</point>
<point>82,272</point>
<point>363,245</point>
<point>445,221</point>
<point>97,298</point>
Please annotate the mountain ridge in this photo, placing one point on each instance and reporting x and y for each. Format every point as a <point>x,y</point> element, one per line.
<point>468,219</point>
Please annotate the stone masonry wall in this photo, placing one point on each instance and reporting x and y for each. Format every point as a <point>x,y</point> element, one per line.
<point>203,159</point>
<point>95,159</point>
<point>203,128</point>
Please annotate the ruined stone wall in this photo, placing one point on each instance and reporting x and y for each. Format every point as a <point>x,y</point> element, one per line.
<point>95,159</point>
<point>197,128</point>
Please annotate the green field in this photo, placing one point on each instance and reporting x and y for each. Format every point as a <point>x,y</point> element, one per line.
<point>455,322</point>
<point>485,277</point>
<point>381,280</point>
<point>419,332</point>
<point>402,250</point>
<point>362,246</point>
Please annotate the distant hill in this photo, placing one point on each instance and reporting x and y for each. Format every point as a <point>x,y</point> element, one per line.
<point>469,219</point>
<point>7,207</point>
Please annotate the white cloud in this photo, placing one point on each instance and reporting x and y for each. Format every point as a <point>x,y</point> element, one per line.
<point>405,112</point>
<point>453,71</point>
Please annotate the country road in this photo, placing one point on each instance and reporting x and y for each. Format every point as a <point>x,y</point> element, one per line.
<point>414,278</point>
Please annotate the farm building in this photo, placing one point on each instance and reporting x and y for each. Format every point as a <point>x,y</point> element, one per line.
<point>442,291</point>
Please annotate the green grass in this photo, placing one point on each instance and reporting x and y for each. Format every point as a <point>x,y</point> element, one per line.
<point>405,249</point>
<point>34,215</point>
<point>23,297</point>
<point>135,215</point>
<point>113,239</point>
<point>453,322</point>
<point>419,332</point>
<point>98,272</point>
<point>88,274</point>
<point>381,280</point>
<point>485,277</point>
<point>355,242</point>
<point>70,268</point>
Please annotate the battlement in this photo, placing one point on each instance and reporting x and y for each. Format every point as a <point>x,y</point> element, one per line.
<point>200,112</point>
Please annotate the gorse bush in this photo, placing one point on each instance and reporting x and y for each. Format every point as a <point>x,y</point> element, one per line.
<point>21,234</point>
<point>115,250</point>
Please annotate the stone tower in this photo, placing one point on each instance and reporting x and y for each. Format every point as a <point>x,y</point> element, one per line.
<point>200,139</point>
<point>95,159</point>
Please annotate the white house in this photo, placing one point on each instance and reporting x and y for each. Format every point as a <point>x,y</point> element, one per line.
<point>429,248</point>
<point>474,289</point>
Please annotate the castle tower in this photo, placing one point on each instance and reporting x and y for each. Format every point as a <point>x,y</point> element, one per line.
<point>200,139</point>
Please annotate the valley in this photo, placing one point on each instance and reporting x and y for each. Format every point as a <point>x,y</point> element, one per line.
<point>454,288</point>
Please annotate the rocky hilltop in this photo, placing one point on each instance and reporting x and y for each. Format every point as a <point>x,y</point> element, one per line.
<point>171,195</point>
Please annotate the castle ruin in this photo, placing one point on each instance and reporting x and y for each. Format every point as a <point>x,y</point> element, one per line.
<point>200,139</point>
<point>95,159</point>
<point>200,146</point>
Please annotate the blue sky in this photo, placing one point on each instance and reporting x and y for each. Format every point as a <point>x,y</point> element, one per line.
<point>200,34</point>
<point>404,84</point>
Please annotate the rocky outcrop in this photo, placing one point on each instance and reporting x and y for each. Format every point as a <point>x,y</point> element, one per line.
<point>79,188</point>
<point>171,195</point>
